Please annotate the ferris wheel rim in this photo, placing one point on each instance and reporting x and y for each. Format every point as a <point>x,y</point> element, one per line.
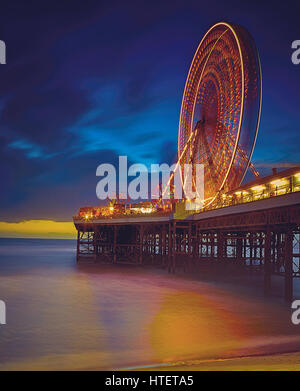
<point>232,29</point>
<point>258,116</point>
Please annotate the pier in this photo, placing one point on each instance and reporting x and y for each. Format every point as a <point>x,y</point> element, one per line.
<point>255,227</point>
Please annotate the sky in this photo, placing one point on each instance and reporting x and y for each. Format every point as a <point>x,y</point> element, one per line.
<point>88,81</point>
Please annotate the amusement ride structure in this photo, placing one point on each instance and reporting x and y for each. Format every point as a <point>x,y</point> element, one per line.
<point>255,225</point>
<point>220,109</point>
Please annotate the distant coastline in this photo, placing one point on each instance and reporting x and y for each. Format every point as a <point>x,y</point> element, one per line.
<point>38,229</point>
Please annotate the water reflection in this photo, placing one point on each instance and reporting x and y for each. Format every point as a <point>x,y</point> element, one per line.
<point>60,316</point>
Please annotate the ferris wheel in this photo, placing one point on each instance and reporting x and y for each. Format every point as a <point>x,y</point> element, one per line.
<point>220,109</point>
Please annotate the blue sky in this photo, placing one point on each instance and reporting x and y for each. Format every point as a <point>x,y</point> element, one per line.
<point>88,81</point>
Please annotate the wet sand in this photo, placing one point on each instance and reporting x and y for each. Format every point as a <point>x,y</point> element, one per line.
<point>274,362</point>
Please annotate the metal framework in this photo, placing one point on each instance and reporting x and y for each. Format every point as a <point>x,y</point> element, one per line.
<point>266,241</point>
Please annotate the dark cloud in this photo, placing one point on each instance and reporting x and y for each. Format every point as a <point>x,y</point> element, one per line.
<point>43,116</point>
<point>53,189</point>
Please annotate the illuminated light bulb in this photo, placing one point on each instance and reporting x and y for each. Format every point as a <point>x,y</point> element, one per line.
<point>258,188</point>
<point>279,182</point>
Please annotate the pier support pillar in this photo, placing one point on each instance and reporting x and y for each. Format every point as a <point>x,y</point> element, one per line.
<point>115,245</point>
<point>251,251</point>
<point>141,233</point>
<point>77,247</point>
<point>95,244</point>
<point>169,246</point>
<point>190,245</point>
<point>174,248</point>
<point>239,249</point>
<point>163,246</point>
<point>267,263</point>
<point>220,247</point>
<point>288,263</point>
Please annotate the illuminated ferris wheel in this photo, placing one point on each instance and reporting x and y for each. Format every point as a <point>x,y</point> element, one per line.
<point>220,109</point>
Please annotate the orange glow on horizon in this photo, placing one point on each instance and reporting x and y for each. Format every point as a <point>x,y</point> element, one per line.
<point>38,229</point>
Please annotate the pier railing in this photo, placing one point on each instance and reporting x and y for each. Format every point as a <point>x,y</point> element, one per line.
<point>275,185</point>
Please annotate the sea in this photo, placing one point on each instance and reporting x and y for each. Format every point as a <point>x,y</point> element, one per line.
<point>64,316</point>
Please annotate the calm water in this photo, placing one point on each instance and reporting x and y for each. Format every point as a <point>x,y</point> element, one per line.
<point>62,316</point>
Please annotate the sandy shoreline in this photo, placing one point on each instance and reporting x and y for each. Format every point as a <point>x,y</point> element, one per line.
<point>275,362</point>
<point>268,362</point>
